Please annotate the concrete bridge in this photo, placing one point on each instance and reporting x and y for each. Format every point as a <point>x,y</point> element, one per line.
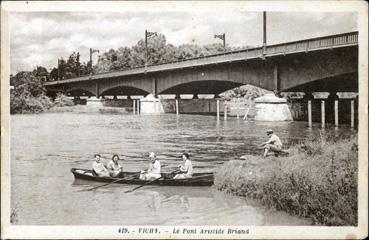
<point>324,64</point>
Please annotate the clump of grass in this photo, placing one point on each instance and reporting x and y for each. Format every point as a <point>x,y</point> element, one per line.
<point>317,180</point>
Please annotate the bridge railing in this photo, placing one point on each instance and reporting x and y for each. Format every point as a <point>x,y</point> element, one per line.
<point>314,43</point>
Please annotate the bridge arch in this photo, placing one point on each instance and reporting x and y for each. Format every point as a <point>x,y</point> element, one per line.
<point>135,85</point>
<point>201,87</point>
<point>347,82</point>
<point>123,90</point>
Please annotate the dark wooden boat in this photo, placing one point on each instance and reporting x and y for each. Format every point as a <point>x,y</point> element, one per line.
<point>198,179</point>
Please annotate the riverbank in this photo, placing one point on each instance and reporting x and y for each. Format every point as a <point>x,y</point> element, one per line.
<point>318,180</point>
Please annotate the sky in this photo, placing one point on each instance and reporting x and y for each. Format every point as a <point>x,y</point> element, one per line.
<point>40,38</point>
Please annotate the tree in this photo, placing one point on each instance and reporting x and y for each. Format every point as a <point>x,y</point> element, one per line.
<point>158,51</point>
<point>28,94</point>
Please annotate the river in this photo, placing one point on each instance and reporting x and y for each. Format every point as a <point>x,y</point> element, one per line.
<point>45,146</point>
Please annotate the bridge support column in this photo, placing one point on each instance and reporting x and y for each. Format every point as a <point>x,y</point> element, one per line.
<point>352,113</point>
<point>97,90</point>
<point>309,97</point>
<point>155,87</point>
<point>310,117</point>
<point>276,80</point>
<point>134,106</point>
<point>225,112</point>
<point>177,108</point>
<point>323,113</point>
<point>218,112</point>
<point>336,113</point>
<point>332,102</point>
<point>238,107</point>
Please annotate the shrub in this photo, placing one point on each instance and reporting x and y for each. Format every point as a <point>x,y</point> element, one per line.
<point>318,180</point>
<point>28,95</point>
<point>62,100</point>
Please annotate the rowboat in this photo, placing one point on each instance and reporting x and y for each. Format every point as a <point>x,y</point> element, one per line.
<point>198,179</point>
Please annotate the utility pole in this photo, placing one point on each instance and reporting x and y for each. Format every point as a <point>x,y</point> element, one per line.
<point>91,52</point>
<point>264,33</point>
<point>58,69</point>
<point>223,38</point>
<point>78,66</point>
<point>147,36</point>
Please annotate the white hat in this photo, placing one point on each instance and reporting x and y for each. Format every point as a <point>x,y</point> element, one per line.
<point>152,155</point>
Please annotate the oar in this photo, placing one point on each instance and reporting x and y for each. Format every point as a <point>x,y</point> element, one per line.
<point>131,190</point>
<point>118,180</point>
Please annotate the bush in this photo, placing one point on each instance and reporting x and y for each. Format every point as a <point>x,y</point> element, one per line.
<point>318,180</point>
<point>28,95</point>
<point>62,100</point>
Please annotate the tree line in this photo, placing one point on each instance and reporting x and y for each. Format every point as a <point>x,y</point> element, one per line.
<point>158,51</point>
<point>29,95</point>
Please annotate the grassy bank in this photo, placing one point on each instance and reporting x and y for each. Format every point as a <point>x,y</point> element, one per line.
<point>318,180</point>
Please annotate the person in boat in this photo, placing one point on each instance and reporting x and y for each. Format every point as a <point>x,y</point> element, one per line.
<point>99,168</point>
<point>153,172</point>
<point>186,168</point>
<point>114,168</point>
<point>274,144</point>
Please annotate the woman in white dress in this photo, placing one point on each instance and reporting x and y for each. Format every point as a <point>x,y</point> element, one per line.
<point>186,168</point>
<point>153,172</point>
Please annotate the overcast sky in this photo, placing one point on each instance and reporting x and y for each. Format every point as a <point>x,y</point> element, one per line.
<point>39,38</point>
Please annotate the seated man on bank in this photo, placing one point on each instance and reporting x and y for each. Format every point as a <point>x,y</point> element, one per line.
<point>153,172</point>
<point>99,168</point>
<point>185,168</point>
<point>274,144</point>
<point>115,170</point>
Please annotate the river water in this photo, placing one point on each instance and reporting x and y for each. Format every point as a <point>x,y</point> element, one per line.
<point>45,146</point>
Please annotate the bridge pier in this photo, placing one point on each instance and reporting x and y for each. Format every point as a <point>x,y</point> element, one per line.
<point>177,107</point>
<point>308,98</point>
<point>218,112</point>
<point>323,113</point>
<point>352,113</point>
<point>97,90</point>
<point>225,112</point>
<point>134,107</point>
<point>151,105</point>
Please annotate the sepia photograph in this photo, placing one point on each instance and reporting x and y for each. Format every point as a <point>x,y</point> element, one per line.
<point>184,119</point>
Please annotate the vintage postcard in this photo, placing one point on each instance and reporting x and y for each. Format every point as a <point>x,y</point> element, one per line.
<point>184,119</point>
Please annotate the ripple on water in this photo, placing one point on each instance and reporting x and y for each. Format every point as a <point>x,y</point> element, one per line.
<point>45,146</point>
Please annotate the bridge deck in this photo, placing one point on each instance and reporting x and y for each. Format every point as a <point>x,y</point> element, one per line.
<point>314,44</point>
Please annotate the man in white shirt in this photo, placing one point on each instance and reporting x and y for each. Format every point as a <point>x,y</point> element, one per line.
<point>154,169</point>
<point>99,167</point>
<point>186,169</point>
<point>273,144</point>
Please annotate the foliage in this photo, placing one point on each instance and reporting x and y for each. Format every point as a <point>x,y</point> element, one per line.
<point>72,67</point>
<point>318,180</point>
<point>62,100</point>
<point>28,95</point>
<point>247,92</point>
<point>158,52</point>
